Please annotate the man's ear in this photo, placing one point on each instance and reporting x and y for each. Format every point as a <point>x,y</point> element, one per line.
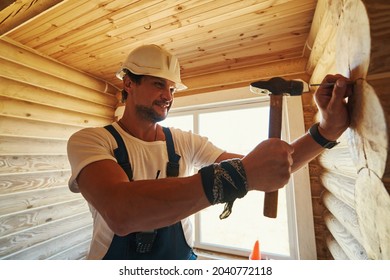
<point>127,83</point>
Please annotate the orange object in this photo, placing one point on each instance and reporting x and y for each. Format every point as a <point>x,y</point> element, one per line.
<point>255,255</point>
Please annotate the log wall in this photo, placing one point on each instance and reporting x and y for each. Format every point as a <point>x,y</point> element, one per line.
<point>41,104</point>
<point>351,182</point>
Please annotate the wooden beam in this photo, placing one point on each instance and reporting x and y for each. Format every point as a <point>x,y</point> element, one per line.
<point>13,243</point>
<point>35,111</point>
<point>20,12</point>
<point>37,217</point>
<point>340,186</point>
<point>15,185</point>
<point>351,247</point>
<point>13,51</point>
<point>353,40</point>
<point>379,69</point>
<point>372,208</point>
<point>369,129</point>
<point>25,146</point>
<point>338,159</point>
<point>322,58</point>
<point>72,245</point>
<point>322,6</point>
<point>14,71</point>
<point>33,94</point>
<point>24,127</point>
<point>243,76</point>
<point>18,201</point>
<point>335,249</point>
<point>30,164</point>
<point>345,214</point>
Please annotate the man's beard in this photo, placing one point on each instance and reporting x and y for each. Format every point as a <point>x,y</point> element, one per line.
<point>149,114</point>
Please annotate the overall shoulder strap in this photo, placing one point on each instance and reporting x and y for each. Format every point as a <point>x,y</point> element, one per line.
<point>170,240</point>
<point>173,163</point>
<point>120,153</point>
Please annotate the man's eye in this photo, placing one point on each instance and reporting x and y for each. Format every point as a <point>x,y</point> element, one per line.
<point>172,90</point>
<point>159,85</point>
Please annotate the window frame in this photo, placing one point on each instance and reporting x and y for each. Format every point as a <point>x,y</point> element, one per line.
<point>299,207</point>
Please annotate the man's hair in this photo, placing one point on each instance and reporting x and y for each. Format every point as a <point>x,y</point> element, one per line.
<point>134,78</point>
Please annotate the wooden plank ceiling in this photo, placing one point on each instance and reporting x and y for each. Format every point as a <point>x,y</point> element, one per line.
<point>208,36</point>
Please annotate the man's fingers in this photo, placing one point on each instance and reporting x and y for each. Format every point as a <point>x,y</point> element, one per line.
<point>339,93</point>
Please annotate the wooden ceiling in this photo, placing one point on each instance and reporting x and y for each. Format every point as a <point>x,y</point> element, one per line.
<point>210,37</point>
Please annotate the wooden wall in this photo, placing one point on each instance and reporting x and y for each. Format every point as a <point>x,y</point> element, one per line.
<point>41,104</point>
<point>351,182</point>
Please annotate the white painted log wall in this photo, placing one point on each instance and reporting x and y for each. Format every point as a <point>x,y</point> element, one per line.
<point>42,103</point>
<point>350,37</point>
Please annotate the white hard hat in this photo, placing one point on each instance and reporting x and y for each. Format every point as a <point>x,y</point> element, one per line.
<point>153,60</point>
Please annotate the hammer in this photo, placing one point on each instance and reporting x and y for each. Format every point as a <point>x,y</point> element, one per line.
<point>276,88</point>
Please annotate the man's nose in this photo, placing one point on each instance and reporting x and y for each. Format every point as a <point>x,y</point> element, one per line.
<point>167,94</point>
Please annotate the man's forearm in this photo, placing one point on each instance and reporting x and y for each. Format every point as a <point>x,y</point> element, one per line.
<point>305,150</point>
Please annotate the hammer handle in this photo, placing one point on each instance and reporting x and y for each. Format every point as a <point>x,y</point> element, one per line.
<point>274,131</point>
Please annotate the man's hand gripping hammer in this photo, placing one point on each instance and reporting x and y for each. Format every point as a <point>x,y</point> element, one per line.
<point>276,88</point>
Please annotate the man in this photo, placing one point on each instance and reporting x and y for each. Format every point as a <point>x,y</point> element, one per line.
<point>140,210</point>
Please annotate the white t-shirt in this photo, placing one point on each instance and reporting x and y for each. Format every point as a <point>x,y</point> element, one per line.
<point>93,144</point>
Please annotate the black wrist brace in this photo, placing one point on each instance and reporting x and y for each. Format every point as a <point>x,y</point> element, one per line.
<point>224,183</point>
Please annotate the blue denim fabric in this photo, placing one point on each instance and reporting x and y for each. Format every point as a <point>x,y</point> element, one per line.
<point>193,257</point>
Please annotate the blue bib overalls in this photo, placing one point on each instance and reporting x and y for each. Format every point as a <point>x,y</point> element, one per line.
<point>167,243</point>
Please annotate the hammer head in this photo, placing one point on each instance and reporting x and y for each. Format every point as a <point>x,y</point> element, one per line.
<point>277,86</point>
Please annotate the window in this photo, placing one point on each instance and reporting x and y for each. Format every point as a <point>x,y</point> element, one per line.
<point>238,126</point>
